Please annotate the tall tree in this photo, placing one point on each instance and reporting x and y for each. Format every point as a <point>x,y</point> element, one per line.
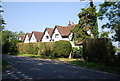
<point>111,11</point>
<point>88,21</point>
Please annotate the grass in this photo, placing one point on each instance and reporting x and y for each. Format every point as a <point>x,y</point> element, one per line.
<point>96,66</point>
<point>4,64</point>
<point>28,55</point>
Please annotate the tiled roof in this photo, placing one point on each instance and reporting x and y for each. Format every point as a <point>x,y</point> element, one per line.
<point>50,30</point>
<point>38,35</point>
<point>22,37</point>
<point>65,30</point>
<point>29,34</point>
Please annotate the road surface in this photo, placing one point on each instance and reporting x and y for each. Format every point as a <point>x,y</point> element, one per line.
<point>41,69</point>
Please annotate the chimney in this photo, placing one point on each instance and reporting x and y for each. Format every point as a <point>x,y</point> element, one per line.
<point>72,23</point>
<point>69,23</point>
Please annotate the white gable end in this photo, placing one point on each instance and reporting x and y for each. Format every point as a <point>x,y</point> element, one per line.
<point>33,39</point>
<point>56,35</point>
<point>26,39</point>
<point>46,37</point>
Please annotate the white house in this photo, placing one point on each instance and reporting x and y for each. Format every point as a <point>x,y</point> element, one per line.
<point>63,33</point>
<point>21,37</point>
<point>47,35</point>
<point>36,36</point>
<point>27,36</point>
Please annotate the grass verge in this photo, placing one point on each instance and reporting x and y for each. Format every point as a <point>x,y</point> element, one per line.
<point>28,55</point>
<point>95,66</point>
<point>4,64</point>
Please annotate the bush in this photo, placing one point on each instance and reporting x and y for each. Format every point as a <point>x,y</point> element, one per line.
<point>40,48</point>
<point>77,52</point>
<point>46,49</point>
<point>62,49</point>
<point>99,51</point>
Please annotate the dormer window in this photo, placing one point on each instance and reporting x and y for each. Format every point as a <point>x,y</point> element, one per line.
<point>56,35</point>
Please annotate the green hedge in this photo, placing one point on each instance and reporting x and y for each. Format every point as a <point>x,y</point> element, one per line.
<point>99,51</point>
<point>51,49</point>
<point>62,48</point>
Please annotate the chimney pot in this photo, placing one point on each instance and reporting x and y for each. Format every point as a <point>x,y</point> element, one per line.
<point>72,23</point>
<point>69,23</point>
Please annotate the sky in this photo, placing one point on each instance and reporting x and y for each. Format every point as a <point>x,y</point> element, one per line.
<point>36,16</point>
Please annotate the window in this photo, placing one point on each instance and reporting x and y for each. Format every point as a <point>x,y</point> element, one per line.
<point>56,35</point>
<point>47,37</point>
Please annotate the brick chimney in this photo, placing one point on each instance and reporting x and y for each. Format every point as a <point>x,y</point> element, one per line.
<point>69,23</point>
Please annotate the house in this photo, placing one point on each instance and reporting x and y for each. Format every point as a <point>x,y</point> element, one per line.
<point>47,35</point>
<point>21,37</point>
<point>27,36</point>
<point>36,36</point>
<point>63,33</point>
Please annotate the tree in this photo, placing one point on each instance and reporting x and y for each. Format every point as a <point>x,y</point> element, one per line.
<point>88,21</point>
<point>111,11</point>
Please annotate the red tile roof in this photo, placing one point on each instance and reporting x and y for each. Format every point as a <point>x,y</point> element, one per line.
<point>22,37</point>
<point>50,30</point>
<point>65,30</point>
<point>29,34</point>
<point>38,35</point>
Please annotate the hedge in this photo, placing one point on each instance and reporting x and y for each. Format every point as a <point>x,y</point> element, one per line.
<point>62,48</point>
<point>52,49</point>
<point>99,51</point>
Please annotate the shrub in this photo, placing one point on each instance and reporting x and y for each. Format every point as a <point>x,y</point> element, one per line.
<point>77,52</point>
<point>99,51</point>
<point>62,48</point>
<point>40,48</point>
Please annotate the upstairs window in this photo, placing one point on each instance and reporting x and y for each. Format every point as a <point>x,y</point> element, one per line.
<point>56,35</point>
<point>47,37</point>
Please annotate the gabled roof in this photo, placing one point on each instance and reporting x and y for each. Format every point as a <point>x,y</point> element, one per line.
<point>29,34</point>
<point>38,35</point>
<point>65,30</point>
<point>50,30</point>
<point>22,37</point>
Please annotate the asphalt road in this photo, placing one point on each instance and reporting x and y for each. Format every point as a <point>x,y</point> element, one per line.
<point>41,69</point>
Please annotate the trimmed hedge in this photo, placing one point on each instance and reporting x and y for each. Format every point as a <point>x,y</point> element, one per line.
<point>51,49</point>
<point>98,51</point>
<point>62,48</point>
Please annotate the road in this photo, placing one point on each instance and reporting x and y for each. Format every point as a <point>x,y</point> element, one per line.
<point>42,69</point>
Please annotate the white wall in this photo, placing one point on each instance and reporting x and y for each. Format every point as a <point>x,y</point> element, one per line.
<point>59,36</point>
<point>26,39</point>
<point>33,39</point>
<point>44,39</point>
<point>19,38</point>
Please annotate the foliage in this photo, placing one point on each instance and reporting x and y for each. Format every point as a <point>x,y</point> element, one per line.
<point>49,49</point>
<point>104,34</point>
<point>77,52</point>
<point>62,48</point>
<point>98,51</point>
<point>88,20</point>
<point>111,11</point>
<point>39,48</point>
<point>9,41</point>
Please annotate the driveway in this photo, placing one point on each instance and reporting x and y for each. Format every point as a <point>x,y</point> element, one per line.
<point>41,69</point>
